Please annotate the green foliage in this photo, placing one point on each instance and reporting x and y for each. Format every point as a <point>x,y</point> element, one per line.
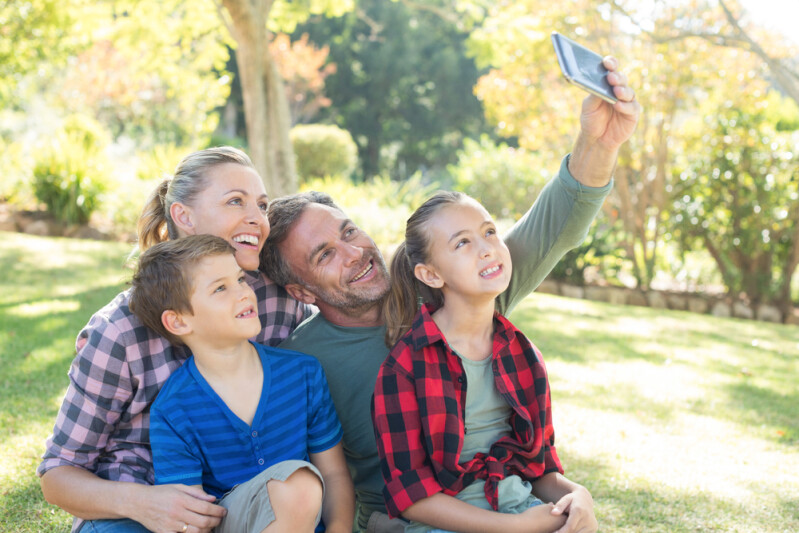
<point>505,180</point>
<point>600,252</point>
<point>403,81</point>
<point>86,131</point>
<point>738,196</point>
<point>154,71</point>
<point>286,14</point>
<point>14,169</point>
<point>34,35</point>
<point>323,150</point>
<point>70,174</point>
<point>160,161</point>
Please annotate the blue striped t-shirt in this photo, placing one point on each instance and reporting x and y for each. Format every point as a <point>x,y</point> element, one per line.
<point>196,439</point>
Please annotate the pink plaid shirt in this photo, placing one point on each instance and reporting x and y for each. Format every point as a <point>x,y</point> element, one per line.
<point>103,424</point>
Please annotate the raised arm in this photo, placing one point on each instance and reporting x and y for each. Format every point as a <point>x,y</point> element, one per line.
<point>560,218</point>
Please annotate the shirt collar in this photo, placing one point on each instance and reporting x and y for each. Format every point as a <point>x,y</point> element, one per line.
<point>425,332</point>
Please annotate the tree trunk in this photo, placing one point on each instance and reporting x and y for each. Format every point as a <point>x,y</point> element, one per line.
<point>266,109</point>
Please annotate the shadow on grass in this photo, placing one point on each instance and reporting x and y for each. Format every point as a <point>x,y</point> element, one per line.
<point>743,365</point>
<point>29,387</point>
<point>760,407</point>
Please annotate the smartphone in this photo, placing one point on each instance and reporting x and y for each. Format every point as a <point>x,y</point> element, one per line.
<point>583,68</point>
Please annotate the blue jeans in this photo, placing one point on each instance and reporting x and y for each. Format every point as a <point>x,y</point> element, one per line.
<point>121,525</point>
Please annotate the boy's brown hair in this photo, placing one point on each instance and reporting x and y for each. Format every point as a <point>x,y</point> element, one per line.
<point>164,278</point>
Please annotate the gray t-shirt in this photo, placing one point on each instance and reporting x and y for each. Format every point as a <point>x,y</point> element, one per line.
<point>351,356</point>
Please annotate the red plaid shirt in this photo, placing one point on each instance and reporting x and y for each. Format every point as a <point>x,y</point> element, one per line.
<point>418,412</point>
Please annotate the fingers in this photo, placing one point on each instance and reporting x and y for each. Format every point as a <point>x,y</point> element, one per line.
<point>199,510</point>
<point>618,80</point>
<point>201,522</point>
<point>610,62</point>
<point>562,505</point>
<point>202,508</point>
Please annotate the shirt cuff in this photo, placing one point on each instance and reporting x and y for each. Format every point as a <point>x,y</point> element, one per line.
<point>571,182</point>
<point>408,488</point>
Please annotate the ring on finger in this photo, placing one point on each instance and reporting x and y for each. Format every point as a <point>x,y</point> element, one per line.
<point>185,527</point>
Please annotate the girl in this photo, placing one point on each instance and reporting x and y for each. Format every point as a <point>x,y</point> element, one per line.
<point>461,407</point>
<point>98,464</point>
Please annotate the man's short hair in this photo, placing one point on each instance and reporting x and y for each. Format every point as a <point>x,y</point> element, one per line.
<point>164,278</point>
<point>283,214</point>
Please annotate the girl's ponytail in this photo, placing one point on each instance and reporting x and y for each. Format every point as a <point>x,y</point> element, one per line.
<point>401,303</point>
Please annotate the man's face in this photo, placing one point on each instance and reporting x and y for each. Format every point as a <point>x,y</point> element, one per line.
<point>336,261</point>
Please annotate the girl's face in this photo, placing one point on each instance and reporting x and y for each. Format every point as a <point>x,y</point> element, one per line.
<point>467,256</point>
<point>233,207</point>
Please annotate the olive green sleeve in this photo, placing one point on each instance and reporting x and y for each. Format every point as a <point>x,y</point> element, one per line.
<point>557,222</point>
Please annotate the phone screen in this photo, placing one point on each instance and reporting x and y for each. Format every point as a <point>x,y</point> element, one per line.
<point>582,67</point>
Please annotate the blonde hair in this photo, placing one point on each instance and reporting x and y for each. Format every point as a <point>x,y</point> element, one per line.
<point>189,181</point>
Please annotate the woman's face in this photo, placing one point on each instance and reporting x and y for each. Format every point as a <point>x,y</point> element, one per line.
<point>233,207</point>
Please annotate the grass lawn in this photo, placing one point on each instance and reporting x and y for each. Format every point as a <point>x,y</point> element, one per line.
<point>676,422</point>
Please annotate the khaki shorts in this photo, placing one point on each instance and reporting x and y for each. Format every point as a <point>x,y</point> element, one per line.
<point>248,504</point>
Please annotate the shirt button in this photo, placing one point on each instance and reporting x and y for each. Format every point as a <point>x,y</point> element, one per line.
<point>254,433</point>
<point>460,379</point>
<point>260,461</point>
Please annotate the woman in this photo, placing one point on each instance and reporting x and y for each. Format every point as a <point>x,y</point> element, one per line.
<point>98,464</point>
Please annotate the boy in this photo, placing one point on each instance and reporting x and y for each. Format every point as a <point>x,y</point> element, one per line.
<point>238,414</point>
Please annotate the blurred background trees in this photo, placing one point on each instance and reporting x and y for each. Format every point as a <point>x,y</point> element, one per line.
<point>403,96</point>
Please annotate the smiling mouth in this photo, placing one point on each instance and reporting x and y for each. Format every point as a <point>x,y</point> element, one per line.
<point>252,240</point>
<point>490,270</point>
<point>362,273</point>
<point>246,314</point>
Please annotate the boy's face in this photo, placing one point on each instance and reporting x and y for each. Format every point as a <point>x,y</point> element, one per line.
<point>225,307</point>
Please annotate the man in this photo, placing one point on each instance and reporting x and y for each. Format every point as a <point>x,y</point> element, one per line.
<point>322,258</point>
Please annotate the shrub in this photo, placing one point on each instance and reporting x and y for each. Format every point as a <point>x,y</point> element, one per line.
<point>87,131</point>
<point>15,172</point>
<point>505,180</point>
<point>69,176</point>
<point>323,150</point>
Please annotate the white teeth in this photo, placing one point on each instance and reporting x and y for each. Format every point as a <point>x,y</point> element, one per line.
<point>363,272</point>
<point>249,239</point>
<point>245,314</point>
<point>488,271</point>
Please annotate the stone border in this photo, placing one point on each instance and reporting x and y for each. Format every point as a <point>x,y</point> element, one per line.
<point>696,303</point>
